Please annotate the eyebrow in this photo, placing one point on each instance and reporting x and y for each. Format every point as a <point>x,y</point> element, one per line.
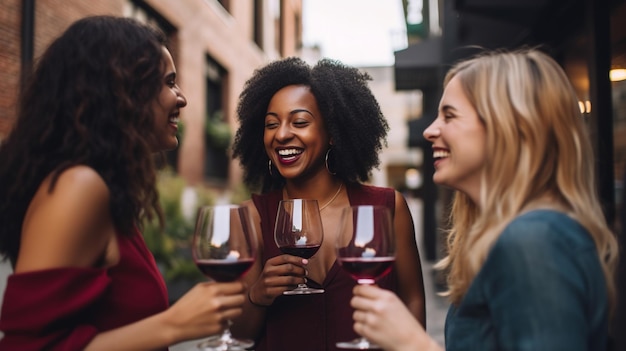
<point>447,108</point>
<point>291,113</point>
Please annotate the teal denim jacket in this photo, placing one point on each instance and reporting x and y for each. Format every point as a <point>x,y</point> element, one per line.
<point>541,288</point>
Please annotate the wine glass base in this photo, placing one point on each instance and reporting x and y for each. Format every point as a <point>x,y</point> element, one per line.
<point>304,291</point>
<point>217,343</point>
<point>358,344</point>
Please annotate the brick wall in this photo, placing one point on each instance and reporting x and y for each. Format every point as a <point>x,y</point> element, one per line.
<point>51,18</point>
<point>9,62</point>
<point>203,27</point>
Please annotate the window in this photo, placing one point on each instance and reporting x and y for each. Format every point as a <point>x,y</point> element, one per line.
<point>217,135</point>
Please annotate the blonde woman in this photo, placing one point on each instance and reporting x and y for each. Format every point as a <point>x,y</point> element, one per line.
<point>530,257</point>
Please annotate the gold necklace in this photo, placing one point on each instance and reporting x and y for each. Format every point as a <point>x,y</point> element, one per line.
<point>333,198</point>
<point>329,201</point>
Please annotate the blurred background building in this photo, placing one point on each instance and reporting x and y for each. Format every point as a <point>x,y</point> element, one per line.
<point>217,44</point>
<point>587,37</point>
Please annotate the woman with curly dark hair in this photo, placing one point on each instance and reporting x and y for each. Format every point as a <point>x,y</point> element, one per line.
<point>78,177</point>
<point>314,132</point>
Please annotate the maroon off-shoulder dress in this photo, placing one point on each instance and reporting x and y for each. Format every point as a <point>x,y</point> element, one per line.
<point>64,308</point>
<point>314,322</point>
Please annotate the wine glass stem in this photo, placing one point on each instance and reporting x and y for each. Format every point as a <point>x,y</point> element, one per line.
<point>226,335</point>
<point>363,343</point>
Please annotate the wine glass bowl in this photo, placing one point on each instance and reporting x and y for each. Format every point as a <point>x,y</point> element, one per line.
<point>298,231</point>
<point>224,248</point>
<point>365,248</point>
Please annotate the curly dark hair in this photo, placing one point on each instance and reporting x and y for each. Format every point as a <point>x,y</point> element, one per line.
<point>88,102</point>
<point>351,114</point>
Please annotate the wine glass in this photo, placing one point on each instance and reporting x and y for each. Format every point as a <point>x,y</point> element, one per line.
<point>298,232</point>
<point>224,248</point>
<point>365,248</point>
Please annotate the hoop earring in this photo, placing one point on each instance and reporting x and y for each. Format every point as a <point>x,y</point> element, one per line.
<point>269,167</point>
<point>326,161</point>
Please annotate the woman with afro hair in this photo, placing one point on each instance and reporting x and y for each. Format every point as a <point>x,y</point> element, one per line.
<point>314,132</point>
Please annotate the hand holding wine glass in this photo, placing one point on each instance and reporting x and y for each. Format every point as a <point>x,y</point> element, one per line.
<point>224,248</point>
<point>365,249</point>
<point>383,318</point>
<point>298,232</point>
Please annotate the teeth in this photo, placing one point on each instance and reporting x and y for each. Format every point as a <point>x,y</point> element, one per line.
<point>173,120</point>
<point>440,154</point>
<point>289,152</point>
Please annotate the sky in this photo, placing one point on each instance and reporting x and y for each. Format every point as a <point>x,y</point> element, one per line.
<point>357,32</point>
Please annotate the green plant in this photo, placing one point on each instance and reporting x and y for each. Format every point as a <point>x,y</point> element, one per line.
<point>171,245</point>
<point>218,132</point>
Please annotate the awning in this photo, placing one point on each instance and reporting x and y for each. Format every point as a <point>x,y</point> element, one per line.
<point>419,65</point>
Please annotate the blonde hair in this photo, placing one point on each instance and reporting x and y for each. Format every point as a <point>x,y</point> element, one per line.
<point>537,148</point>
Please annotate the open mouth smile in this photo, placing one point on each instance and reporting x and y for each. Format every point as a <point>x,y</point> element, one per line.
<point>289,155</point>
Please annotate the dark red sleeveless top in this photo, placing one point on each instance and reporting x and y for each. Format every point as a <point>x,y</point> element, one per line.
<point>314,322</point>
<point>64,308</point>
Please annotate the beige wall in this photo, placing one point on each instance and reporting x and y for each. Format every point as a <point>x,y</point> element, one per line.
<point>397,107</point>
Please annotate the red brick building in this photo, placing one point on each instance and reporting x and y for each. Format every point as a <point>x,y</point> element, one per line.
<point>216,47</point>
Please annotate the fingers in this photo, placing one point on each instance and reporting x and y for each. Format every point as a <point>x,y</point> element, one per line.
<point>282,281</point>
<point>360,316</point>
<point>267,289</point>
<point>280,273</point>
<point>225,288</point>
<point>230,305</point>
<point>230,301</point>
<point>286,259</point>
<point>284,271</point>
<point>205,308</point>
<point>231,314</point>
<point>368,291</point>
<point>364,297</point>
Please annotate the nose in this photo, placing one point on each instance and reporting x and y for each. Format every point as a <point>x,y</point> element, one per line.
<point>283,132</point>
<point>181,101</point>
<point>432,131</point>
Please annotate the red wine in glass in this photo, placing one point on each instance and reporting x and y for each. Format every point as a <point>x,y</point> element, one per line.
<point>365,248</point>
<point>366,270</point>
<point>223,270</point>
<point>298,231</point>
<point>304,251</point>
<point>224,248</point>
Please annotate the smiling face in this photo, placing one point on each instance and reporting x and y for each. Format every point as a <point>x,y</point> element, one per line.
<point>295,137</point>
<point>459,142</point>
<point>166,108</point>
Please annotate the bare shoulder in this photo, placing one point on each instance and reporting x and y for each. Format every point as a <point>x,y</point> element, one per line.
<point>403,218</point>
<point>77,190</point>
<point>82,177</point>
<point>401,203</point>
<point>68,224</point>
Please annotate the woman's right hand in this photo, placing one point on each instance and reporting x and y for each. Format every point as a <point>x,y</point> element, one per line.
<point>206,309</point>
<point>279,274</point>
<point>382,317</point>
